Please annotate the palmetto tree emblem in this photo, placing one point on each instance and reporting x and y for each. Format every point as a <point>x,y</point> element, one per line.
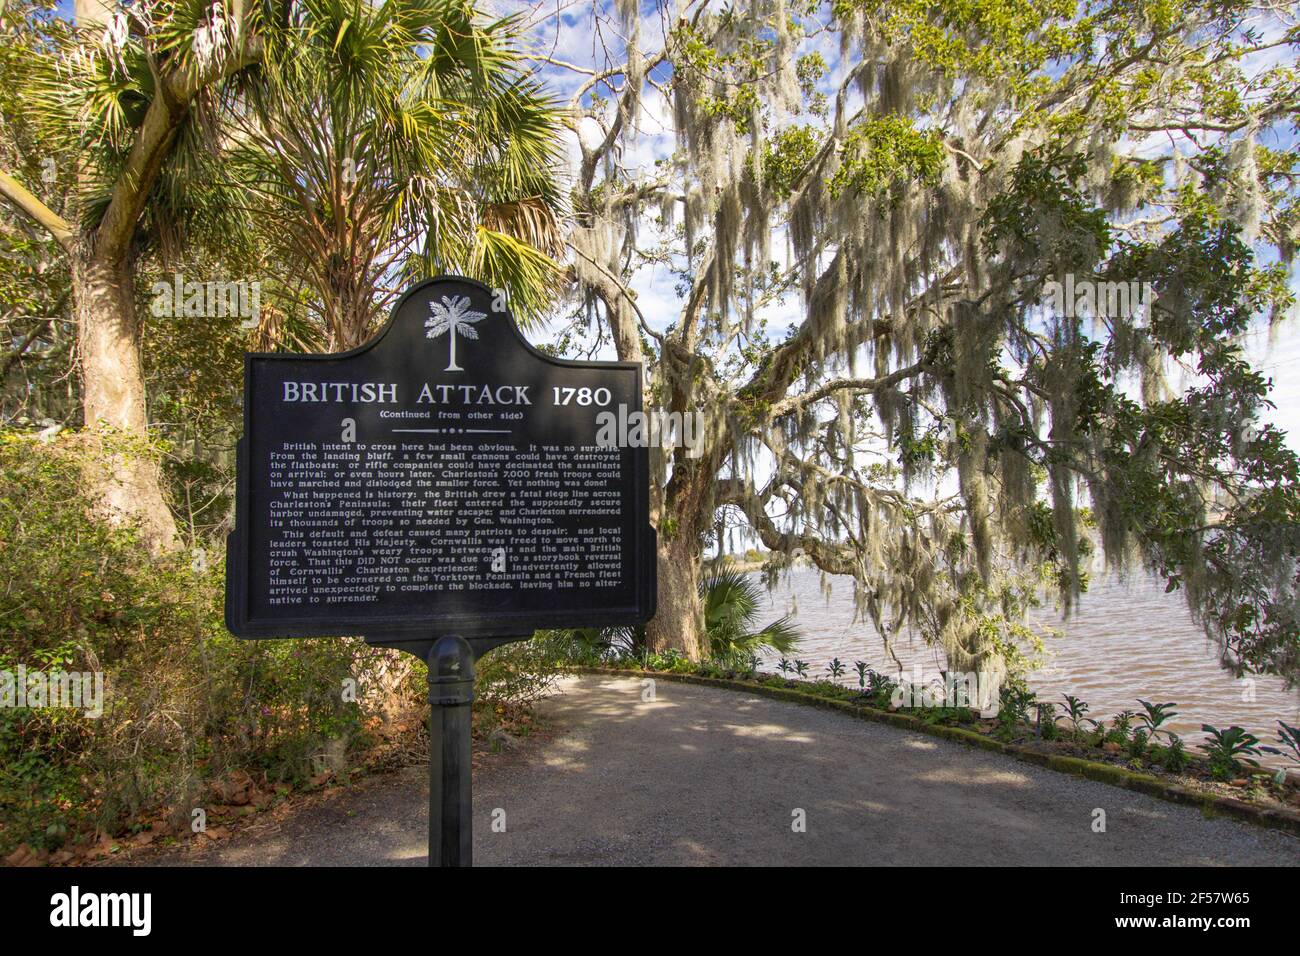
<point>453,315</point>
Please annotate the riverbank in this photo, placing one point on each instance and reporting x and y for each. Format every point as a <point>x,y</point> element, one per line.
<point>1126,640</point>
<point>701,775</point>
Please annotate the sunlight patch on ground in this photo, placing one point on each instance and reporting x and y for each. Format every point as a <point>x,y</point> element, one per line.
<point>769,732</point>
<point>977,778</point>
<point>566,754</point>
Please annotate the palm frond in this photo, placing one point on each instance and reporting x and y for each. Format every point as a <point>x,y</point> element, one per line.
<point>530,277</point>
<point>731,600</point>
<point>529,220</point>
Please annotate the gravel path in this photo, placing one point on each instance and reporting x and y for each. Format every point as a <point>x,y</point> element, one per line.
<point>716,777</point>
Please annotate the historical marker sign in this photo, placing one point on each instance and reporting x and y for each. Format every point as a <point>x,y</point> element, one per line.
<point>444,478</point>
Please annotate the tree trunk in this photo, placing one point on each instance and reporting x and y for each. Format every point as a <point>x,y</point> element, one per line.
<point>126,482</point>
<point>679,619</point>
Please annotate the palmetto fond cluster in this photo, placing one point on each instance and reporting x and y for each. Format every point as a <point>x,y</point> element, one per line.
<point>389,141</point>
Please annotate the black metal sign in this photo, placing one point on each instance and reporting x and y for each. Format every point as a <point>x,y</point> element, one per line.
<point>444,478</point>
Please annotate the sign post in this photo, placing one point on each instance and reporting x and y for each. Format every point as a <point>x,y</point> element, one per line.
<point>442,489</point>
<point>451,696</point>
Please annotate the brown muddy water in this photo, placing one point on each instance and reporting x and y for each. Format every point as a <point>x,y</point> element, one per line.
<point>1127,640</point>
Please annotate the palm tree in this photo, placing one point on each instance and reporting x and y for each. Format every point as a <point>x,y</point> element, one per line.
<point>731,601</point>
<point>363,142</point>
<point>132,97</point>
<point>453,316</point>
<point>389,140</point>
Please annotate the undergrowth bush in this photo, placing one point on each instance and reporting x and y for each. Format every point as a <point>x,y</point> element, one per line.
<point>522,672</point>
<point>185,702</point>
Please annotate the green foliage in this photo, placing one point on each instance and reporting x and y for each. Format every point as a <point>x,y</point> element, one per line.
<point>1014,702</point>
<point>884,152</point>
<point>701,60</point>
<point>671,660</point>
<point>35,284</point>
<point>1173,756</point>
<point>1154,715</point>
<point>1044,220</point>
<point>731,601</point>
<point>1209,289</point>
<point>1227,750</point>
<point>786,157</point>
<point>1149,463</point>
<point>431,119</point>
<point>1137,743</point>
<point>1046,721</point>
<point>1076,712</point>
<point>880,688</point>
<point>999,40</point>
<point>184,701</point>
<point>522,672</point>
<point>1290,737</point>
<point>1121,728</point>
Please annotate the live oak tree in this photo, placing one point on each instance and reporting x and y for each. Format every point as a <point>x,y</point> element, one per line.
<point>936,421</point>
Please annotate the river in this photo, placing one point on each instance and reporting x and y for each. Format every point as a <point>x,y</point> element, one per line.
<point>1126,640</point>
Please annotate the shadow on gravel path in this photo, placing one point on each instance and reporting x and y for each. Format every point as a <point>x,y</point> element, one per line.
<point>706,776</point>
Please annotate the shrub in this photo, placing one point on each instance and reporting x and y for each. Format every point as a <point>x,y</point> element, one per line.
<point>1173,757</point>
<point>1227,750</point>
<point>521,672</point>
<point>185,702</point>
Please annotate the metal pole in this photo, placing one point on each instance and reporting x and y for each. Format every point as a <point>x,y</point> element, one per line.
<point>451,694</point>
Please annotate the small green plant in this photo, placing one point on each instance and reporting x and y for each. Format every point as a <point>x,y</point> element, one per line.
<point>1151,719</point>
<point>783,666</point>
<point>1154,715</point>
<point>1014,702</point>
<point>1289,737</point>
<point>1076,713</point>
<point>941,715</point>
<point>828,688</point>
<point>1047,728</point>
<point>1227,750</point>
<point>1137,744</point>
<point>712,669</point>
<point>1120,728</point>
<point>1173,756</point>
<point>836,668</point>
<point>732,601</point>
<point>880,688</point>
<point>671,660</point>
<point>1258,788</point>
<point>801,668</point>
<point>863,671</point>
